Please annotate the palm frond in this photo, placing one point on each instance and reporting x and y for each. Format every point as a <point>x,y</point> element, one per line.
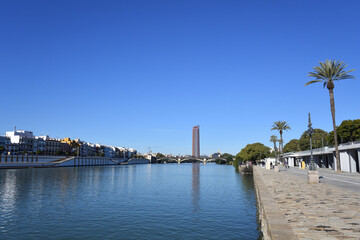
<point>313,81</point>
<point>273,139</point>
<point>280,126</point>
<point>330,71</point>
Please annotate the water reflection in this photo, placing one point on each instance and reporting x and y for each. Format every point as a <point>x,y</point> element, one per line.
<point>195,194</point>
<point>8,192</point>
<point>90,202</point>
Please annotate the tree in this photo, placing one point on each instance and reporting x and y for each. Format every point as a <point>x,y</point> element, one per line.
<point>225,155</point>
<point>292,146</point>
<point>274,140</point>
<point>281,126</point>
<point>159,155</point>
<point>220,161</point>
<point>348,131</point>
<point>328,72</point>
<point>229,159</point>
<point>253,152</point>
<point>318,139</point>
<point>272,154</point>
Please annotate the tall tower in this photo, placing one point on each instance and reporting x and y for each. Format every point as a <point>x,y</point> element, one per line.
<point>196,142</point>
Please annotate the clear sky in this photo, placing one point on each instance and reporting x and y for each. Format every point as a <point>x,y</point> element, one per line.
<point>143,73</point>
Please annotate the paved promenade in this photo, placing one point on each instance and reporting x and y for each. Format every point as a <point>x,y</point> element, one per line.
<point>313,211</point>
<point>347,181</point>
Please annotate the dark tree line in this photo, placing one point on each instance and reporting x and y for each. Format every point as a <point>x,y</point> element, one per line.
<point>348,131</point>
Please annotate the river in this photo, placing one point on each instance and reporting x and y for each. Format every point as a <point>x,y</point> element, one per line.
<point>152,201</point>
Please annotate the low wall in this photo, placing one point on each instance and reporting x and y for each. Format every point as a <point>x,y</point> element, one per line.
<point>26,161</point>
<point>272,222</point>
<point>86,161</point>
<point>14,159</point>
<point>138,161</point>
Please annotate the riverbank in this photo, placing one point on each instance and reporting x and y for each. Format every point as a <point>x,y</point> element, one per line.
<point>290,208</point>
<point>31,161</point>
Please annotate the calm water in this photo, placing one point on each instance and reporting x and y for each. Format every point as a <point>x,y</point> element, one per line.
<point>168,201</point>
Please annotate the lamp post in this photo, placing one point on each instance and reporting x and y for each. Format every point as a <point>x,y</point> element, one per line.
<point>276,157</point>
<point>313,175</point>
<point>310,132</point>
<point>280,151</point>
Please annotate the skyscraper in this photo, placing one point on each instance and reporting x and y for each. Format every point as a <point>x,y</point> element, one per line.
<point>196,142</point>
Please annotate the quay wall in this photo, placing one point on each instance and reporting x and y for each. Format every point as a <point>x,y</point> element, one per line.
<point>138,161</point>
<point>15,159</point>
<point>25,161</point>
<point>272,222</point>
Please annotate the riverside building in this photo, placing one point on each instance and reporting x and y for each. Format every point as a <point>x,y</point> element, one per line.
<point>24,139</point>
<point>21,142</point>
<point>325,157</point>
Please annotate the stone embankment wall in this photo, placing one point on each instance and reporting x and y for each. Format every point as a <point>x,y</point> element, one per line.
<point>26,161</point>
<point>138,161</point>
<point>272,222</point>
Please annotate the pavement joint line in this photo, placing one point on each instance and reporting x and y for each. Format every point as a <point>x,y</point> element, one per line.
<point>326,177</point>
<point>325,173</point>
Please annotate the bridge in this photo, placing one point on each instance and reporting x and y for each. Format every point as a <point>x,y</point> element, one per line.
<point>186,160</point>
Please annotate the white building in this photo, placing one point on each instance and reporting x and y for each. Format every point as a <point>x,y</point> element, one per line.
<point>325,157</point>
<point>25,139</point>
<point>5,143</point>
<point>40,143</point>
<point>109,151</point>
<point>132,152</point>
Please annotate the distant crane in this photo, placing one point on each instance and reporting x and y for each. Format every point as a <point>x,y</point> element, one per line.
<point>149,149</point>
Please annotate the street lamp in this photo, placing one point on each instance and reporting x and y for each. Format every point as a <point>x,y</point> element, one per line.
<point>310,131</point>
<point>276,157</point>
<point>313,175</point>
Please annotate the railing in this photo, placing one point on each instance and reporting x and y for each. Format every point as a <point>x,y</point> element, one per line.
<point>19,158</point>
<point>34,160</point>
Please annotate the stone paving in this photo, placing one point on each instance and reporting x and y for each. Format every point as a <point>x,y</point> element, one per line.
<point>314,211</point>
<point>345,180</point>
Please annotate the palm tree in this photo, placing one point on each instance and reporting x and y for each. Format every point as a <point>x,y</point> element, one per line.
<point>327,73</point>
<point>274,140</point>
<point>281,126</point>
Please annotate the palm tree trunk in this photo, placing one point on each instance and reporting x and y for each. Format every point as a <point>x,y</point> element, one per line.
<point>275,153</point>
<point>332,105</point>
<point>281,142</point>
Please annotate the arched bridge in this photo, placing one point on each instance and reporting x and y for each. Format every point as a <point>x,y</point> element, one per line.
<point>184,160</point>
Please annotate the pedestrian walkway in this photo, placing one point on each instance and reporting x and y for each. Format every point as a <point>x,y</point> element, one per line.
<point>347,181</point>
<point>314,211</point>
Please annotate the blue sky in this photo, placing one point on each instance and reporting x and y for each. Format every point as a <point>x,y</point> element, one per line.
<point>143,73</point>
